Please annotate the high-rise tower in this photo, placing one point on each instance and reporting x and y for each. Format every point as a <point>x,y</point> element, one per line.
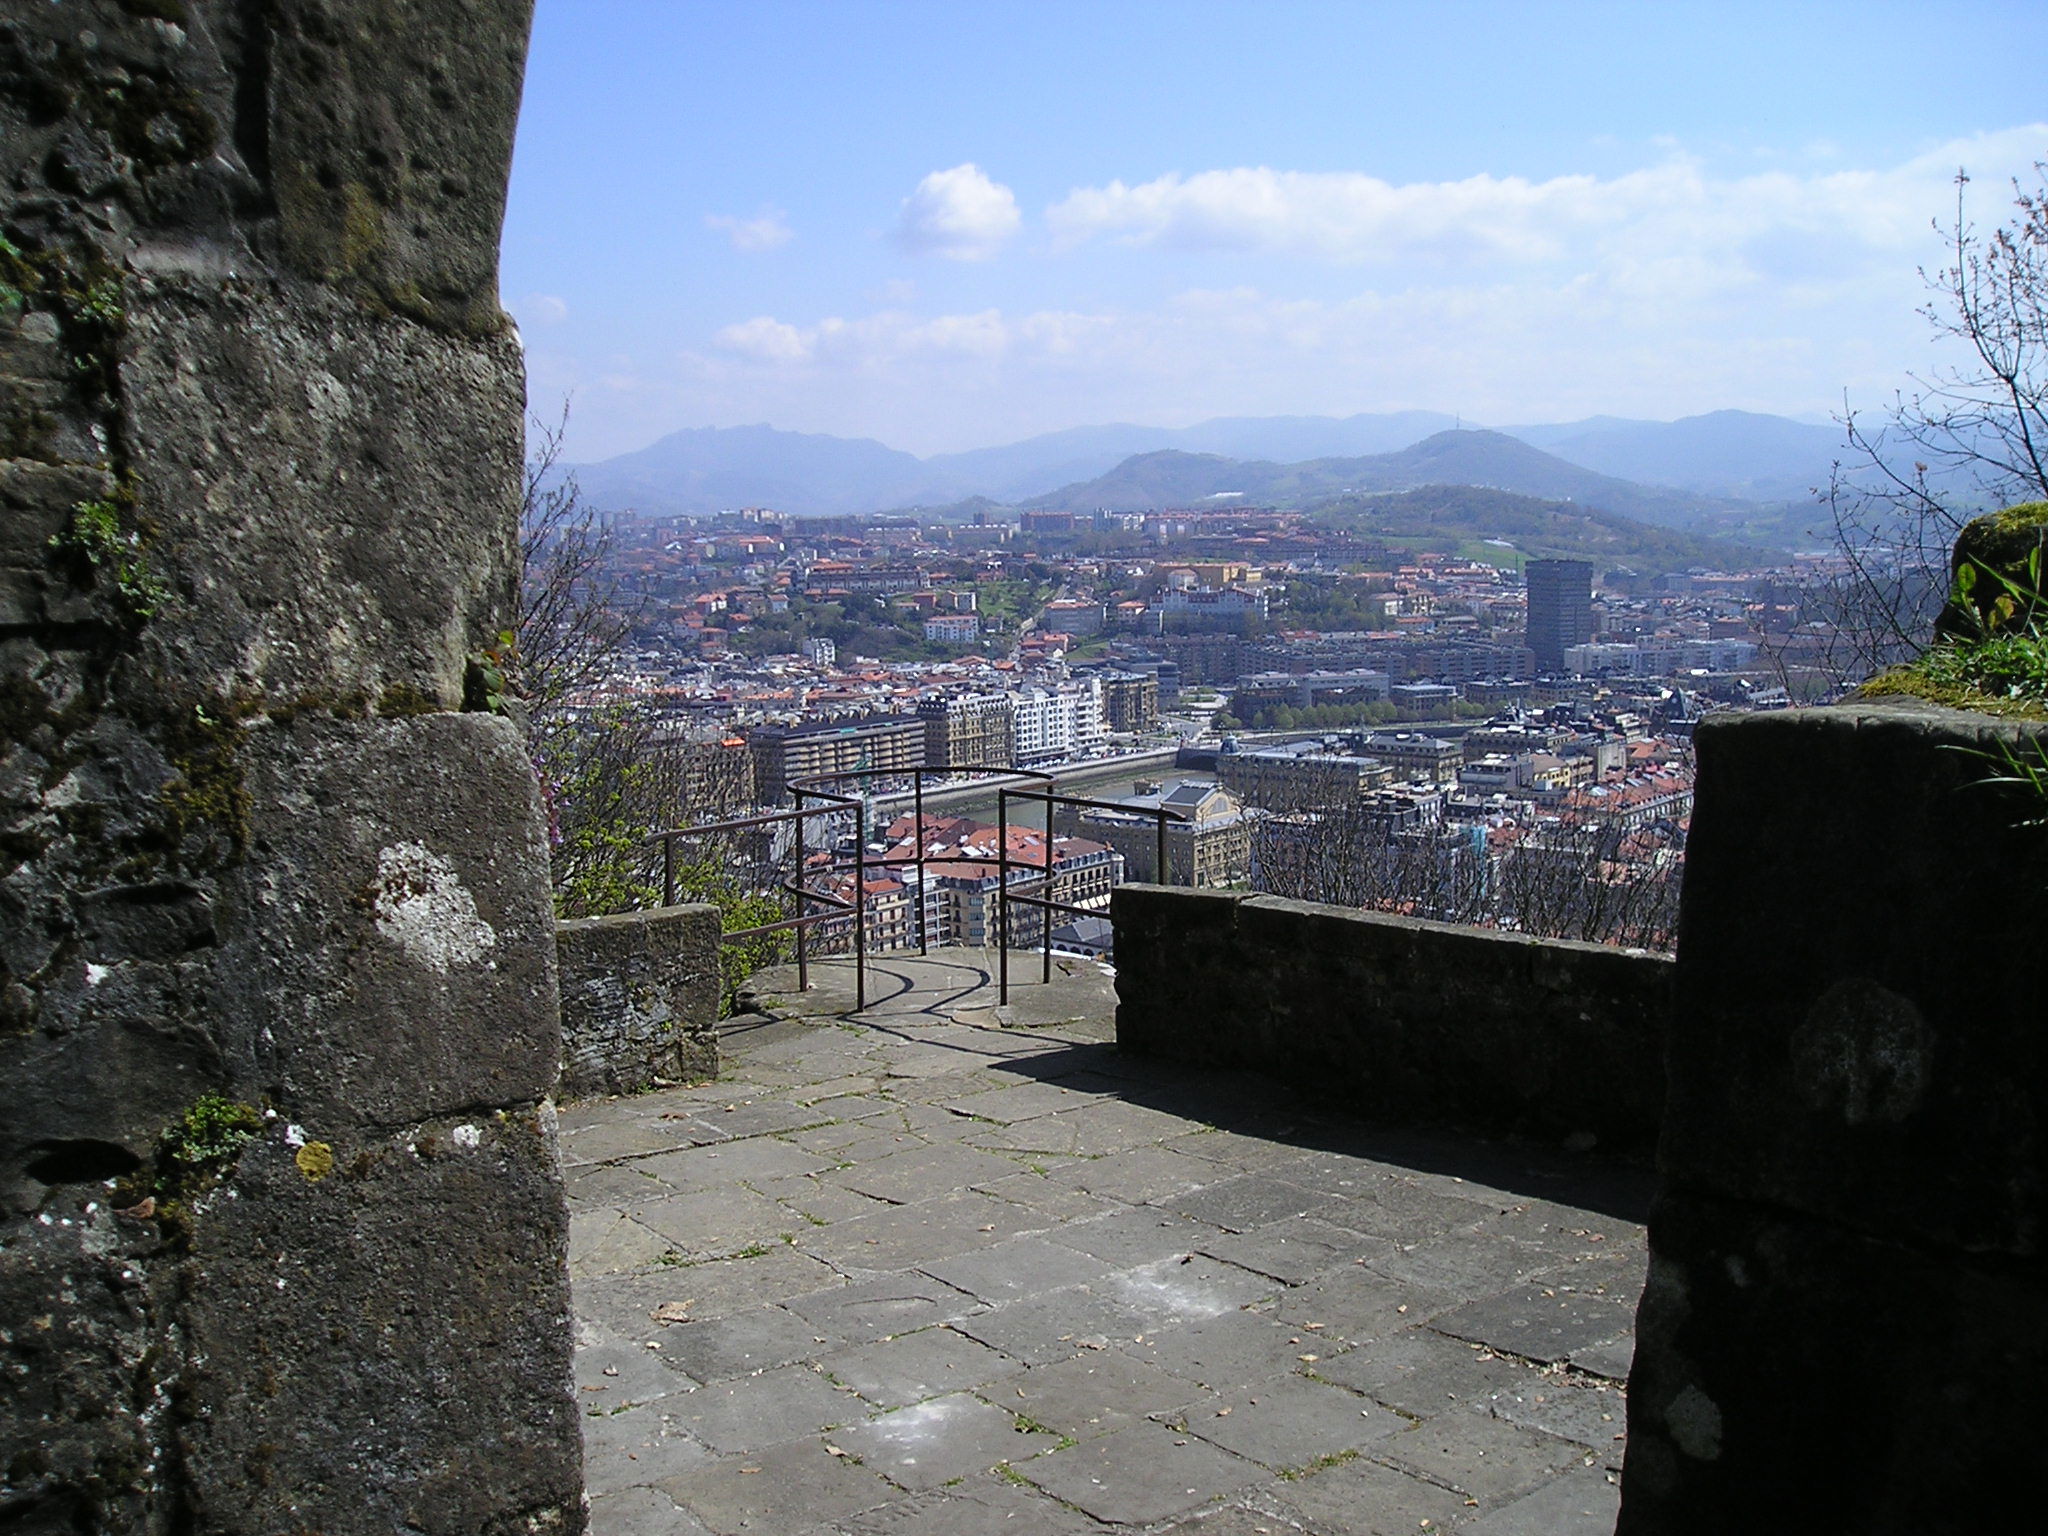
<point>1560,609</point>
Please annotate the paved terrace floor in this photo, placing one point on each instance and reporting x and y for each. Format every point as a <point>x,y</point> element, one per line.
<point>935,1271</point>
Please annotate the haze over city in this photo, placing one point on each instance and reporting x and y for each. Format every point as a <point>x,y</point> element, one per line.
<point>949,227</point>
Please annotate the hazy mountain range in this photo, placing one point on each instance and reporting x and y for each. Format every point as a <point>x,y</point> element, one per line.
<point>1711,473</point>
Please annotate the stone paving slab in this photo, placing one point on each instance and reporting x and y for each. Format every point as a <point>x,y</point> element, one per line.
<point>945,1267</point>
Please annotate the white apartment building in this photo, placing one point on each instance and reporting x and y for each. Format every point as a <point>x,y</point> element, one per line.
<point>1057,724</point>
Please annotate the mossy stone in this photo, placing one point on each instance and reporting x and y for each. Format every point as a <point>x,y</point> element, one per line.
<point>2000,543</point>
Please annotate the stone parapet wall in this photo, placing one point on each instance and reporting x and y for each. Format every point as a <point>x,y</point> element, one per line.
<point>640,996</point>
<point>1396,1018</point>
<point>1847,1313</point>
<point>278,1019</point>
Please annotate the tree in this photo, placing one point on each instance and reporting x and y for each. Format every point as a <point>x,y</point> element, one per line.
<point>1968,437</point>
<point>608,776</point>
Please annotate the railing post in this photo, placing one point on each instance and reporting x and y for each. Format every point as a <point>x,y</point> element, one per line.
<point>1161,814</point>
<point>1052,788</point>
<point>860,907</point>
<point>803,963</point>
<point>1002,912</point>
<point>668,870</point>
<point>917,823</point>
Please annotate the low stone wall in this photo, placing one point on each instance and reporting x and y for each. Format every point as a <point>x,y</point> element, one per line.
<point>1399,1018</point>
<point>639,999</point>
<point>1847,1315</point>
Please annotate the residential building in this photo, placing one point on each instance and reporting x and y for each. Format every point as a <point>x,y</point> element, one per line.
<point>885,743</point>
<point>1130,701</point>
<point>967,729</point>
<point>1298,774</point>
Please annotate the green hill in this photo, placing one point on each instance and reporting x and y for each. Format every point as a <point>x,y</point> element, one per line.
<point>1465,517</point>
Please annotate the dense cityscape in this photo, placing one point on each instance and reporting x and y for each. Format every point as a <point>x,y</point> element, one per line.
<point>1501,740</point>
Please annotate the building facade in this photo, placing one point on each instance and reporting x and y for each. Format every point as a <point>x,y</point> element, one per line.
<point>883,743</point>
<point>968,729</point>
<point>1560,609</point>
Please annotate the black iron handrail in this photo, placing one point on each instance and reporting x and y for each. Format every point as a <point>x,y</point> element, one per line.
<point>1045,882</point>
<point>824,787</point>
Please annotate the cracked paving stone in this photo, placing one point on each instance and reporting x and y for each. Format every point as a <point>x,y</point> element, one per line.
<point>1094,1392</point>
<point>757,1411</point>
<point>1291,1423</point>
<point>942,1438</point>
<point>1293,1251</point>
<point>1022,1266</point>
<point>912,1174</point>
<point>1480,1456</point>
<point>1186,1290</point>
<point>641,1512</point>
<point>611,1242</point>
<point>979,1507</point>
<point>1362,1498</point>
<point>1138,1235</point>
<point>896,1372</point>
<point>1140,1176</point>
<point>1041,1329</point>
<point>744,1344</point>
<point>622,1450</point>
<point>1593,1414</point>
<point>1609,1360</point>
<point>1424,1374</point>
<point>900,1302</point>
<point>614,1372</point>
<point>1138,1474</point>
<point>1585,1503</point>
<point>1356,1305</point>
<point>907,1235</point>
<point>713,1223</point>
<point>1248,1201</point>
<point>789,1487</point>
<point>1538,1323</point>
<point>624,1304</point>
<point>1020,1101</point>
<point>609,1185</point>
<point>1467,1262</point>
<point>729,1163</point>
<point>1226,1351</point>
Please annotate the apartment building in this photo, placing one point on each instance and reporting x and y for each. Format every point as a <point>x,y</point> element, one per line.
<point>969,729</point>
<point>884,743</point>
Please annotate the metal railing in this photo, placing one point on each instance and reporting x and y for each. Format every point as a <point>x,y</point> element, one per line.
<point>835,801</point>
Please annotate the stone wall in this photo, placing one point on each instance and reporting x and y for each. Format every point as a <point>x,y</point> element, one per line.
<point>281,1229</point>
<point>1397,1018</point>
<point>1846,1322</point>
<point>640,995</point>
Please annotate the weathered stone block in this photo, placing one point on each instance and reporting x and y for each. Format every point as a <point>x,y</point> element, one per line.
<point>640,995</point>
<point>379,1337</point>
<point>1400,1018</point>
<point>248,408</point>
<point>396,879</point>
<point>1858,1026</point>
<point>1793,1375</point>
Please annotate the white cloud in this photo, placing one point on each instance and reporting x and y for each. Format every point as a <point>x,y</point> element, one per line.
<point>765,340</point>
<point>958,213</point>
<point>762,233</point>
<point>542,309</point>
<point>1508,220</point>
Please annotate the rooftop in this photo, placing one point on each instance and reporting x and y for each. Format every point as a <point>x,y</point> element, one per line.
<point>945,1267</point>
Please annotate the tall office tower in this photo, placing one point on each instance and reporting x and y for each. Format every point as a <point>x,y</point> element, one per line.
<point>1560,609</point>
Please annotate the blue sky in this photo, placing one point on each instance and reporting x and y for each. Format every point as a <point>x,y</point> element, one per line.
<point>948,225</point>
